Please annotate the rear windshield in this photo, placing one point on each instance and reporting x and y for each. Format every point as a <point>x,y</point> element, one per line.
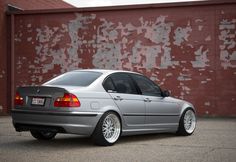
<point>75,78</point>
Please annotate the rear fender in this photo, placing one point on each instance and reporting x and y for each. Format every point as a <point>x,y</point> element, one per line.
<point>116,110</point>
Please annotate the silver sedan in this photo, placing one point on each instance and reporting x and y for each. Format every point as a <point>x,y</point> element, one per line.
<point>103,104</point>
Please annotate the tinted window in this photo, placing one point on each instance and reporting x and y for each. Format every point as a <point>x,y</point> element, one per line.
<point>76,78</point>
<point>123,83</point>
<point>146,86</point>
<point>108,85</point>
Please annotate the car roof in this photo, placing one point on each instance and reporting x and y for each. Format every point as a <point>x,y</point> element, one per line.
<point>106,71</point>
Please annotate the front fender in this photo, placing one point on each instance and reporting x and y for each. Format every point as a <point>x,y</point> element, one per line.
<point>185,106</point>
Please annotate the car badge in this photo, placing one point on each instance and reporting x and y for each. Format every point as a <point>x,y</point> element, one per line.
<point>38,90</point>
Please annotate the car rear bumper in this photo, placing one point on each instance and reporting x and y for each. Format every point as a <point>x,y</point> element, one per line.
<point>82,123</point>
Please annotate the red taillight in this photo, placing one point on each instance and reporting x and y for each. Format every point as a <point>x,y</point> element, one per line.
<point>18,99</point>
<point>68,100</point>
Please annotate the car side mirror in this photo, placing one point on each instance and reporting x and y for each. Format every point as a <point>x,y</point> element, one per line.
<point>165,93</point>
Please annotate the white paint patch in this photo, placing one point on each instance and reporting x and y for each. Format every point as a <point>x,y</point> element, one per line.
<point>18,36</point>
<point>190,45</point>
<point>185,90</point>
<point>227,47</point>
<point>182,34</point>
<point>184,77</point>
<point>206,81</point>
<point>112,51</point>
<point>233,56</point>
<point>185,69</point>
<point>29,39</point>
<point>169,74</point>
<point>227,24</point>
<point>2,74</point>
<point>159,32</point>
<point>208,38</point>
<point>200,58</point>
<point>201,69</point>
<point>198,20</point>
<point>200,27</point>
<point>207,103</point>
<point>67,57</point>
<point>108,55</point>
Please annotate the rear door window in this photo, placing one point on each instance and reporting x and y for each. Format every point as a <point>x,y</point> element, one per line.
<point>123,83</point>
<point>108,85</point>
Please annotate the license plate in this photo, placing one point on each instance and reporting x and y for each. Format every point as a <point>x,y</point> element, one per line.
<point>38,101</point>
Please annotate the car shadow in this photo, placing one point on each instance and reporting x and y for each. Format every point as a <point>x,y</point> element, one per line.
<point>71,142</point>
<point>78,142</point>
<point>145,138</point>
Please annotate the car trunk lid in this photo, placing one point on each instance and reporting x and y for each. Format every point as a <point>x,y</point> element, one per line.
<point>38,97</point>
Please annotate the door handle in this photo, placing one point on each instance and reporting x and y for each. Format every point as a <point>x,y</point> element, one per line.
<point>118,98</point>
<point>147,100</point>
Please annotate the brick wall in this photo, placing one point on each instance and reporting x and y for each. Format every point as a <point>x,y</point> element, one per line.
<point>190,50</point>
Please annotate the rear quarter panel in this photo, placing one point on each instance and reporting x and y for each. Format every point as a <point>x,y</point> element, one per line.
<point>97,102</point>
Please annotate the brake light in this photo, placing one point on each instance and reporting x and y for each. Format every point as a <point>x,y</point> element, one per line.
<point>68,100</point>
<point>18,99</point>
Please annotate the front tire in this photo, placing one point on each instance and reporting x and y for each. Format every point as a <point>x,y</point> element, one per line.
<point>43,135</point>
<point>187,123</point>
<point>108,130</point>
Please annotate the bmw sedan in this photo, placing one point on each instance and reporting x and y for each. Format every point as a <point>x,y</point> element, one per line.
<point>103,104</point>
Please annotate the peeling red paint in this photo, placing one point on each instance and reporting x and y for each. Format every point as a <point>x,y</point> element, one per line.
<point>179,48</point>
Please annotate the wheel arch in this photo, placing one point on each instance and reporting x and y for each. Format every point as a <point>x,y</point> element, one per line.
<point>115,110</point>
<point>180,126</point>
<point>186,106</point>
<point>97,134</point>
<point>119,116</point>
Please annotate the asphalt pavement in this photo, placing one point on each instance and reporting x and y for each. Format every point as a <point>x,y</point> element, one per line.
<point>213,141</point>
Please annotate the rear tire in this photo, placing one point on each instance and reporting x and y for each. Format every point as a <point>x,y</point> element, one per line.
<point>43,135</point>
<point>187,123</point>
<point>108,130</point>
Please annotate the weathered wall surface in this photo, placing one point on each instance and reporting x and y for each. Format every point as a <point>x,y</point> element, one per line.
<point>5,28</point>
<point>189,50</point>
<point>3,61</point>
